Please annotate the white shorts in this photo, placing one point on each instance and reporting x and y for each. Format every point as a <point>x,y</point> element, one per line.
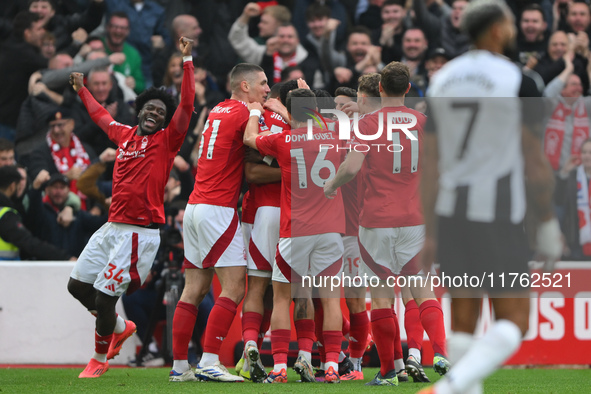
<point>351,256</point>
<point>246,232</point>
<point>212,237</point>
<point>262,247</point>
<point>391,251</point>
<point>312,255</point>
<point>117,258</point>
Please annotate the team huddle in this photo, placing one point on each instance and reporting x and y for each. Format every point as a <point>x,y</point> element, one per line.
<point>312,209</point>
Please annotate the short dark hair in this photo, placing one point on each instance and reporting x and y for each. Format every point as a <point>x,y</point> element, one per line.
<point>8,176</point>
<point>534,7</point>
<point>287,70</point>
<point>401,3</point>
<point>300,108</point>
<point>479,16</point>
<point>360,30</point>
<point>285,89</point>
<point>370,84</point>
<point>156,94</point>
<point>23,21</point>
<point>324,99</point>
<point>395,78</point>
<point>52,2</point>
<point>118,14</point>
<point>345,91</point>
<point>6,145</point>
<point>242,72</point>
<point>275,90</point>
<point>317,11</point>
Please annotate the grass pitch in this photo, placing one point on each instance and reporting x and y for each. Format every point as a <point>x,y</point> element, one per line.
<point>155,380</point>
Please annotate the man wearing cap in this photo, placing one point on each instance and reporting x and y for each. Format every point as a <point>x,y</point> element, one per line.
<point>62,152</point>
<point>435,60</point>
<point>54,219</point>
<point>15,239</point>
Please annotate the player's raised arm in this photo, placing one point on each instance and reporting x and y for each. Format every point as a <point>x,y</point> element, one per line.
<point>252,126</point>
<point>182,116</point>
<point>346,172</point>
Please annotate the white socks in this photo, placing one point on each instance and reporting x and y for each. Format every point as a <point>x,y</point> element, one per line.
<point>119,325</point>
<point>481,358</point>
<point>180,366</point>
<point>416,353</point>
<point>208,359</point>
<point>278,367</point>
<point>306,355</point>
<point>356,363</point>
<point>399,364</point>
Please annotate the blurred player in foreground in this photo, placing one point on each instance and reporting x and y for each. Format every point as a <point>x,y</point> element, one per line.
<point>479,146</point>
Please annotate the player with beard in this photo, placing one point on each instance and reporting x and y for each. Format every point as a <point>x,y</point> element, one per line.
<point>118,257</point>
<point>482,155</point>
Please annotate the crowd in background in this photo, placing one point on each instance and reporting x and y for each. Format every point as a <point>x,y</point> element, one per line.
<point>125,46</point>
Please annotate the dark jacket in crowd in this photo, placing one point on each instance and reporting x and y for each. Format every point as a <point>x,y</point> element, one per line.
<point>13,231</point>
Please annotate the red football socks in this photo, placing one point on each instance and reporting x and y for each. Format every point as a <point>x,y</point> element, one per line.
<point>413,326</point>
<point>280,345</point>
<point>251,326</point>
<point>218,324</point>
<point>183,324</point>
<point>305,333</point>
<point>332,345</point>
<point>384,332</point>
<point>358,333</point>
<point>432,320</point>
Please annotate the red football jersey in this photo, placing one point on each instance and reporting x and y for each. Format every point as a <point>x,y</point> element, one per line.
<point>143,163</point>
<point>391,177</point>
<point>248,210</point>
<point>221,156</point>
<point>305,166</point>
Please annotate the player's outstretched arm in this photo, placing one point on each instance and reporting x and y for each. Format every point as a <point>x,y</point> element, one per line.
<point>182,116</point>
<point>252,126</point>
<point>346,172</point>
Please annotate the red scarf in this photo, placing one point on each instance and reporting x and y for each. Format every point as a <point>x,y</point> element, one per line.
<point>554,136</point>
<point>66,158</point>
<point>279,64</point>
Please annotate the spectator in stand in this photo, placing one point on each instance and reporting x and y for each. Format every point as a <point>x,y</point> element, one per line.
<point>20,56</point>
<point>572,196</point>
<point>566,117</point>
<point>182,26</point>
<point>103,89</point>
<point>56,222</point>
<point>147,31</point>
<point>6,153</point>
<point>289,53</point>
<point>62,151</point>
<point>118,30</point>
<point>453,40</point>
<point>63,26</point>
<point>371,17</point>
<point>291,73</point>
<point>15,240</point>
<point>393,21</point>
<point>552,63</point>
<point>252,50</point>
<point>337,11</point>
<point>48,45</point>
<point>319,22</point>
<point>532,39</point>
<point>435,60</point>
<point>414,51</point>
<point>359,55</point>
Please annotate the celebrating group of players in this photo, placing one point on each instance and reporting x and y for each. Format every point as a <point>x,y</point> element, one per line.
<point>295,224</point>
